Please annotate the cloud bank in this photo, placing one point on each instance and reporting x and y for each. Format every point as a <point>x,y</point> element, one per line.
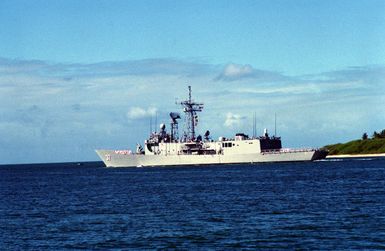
<point>62,112</point>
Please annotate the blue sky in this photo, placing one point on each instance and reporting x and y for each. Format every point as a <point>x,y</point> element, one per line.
<point>80,75</point>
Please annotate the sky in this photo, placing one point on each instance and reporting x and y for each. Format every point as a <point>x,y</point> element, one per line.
<point>82,75</point>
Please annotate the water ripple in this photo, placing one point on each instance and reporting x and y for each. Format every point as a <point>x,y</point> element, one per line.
<point>319,205</point>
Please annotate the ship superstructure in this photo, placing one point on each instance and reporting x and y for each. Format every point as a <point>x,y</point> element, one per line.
<point>168,149</point>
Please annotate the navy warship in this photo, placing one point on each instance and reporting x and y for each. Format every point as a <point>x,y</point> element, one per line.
<point>166,148</point>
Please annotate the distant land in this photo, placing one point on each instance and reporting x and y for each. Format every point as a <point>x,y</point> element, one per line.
<point>363,146</point>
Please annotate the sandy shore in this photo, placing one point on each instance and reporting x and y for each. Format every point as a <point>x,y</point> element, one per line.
<point>356,155</point>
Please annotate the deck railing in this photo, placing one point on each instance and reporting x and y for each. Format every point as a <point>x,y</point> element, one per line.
<point>287,150</point>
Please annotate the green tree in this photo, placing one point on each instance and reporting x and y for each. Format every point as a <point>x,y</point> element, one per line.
<point>380,135</point>
<point>364,136</point>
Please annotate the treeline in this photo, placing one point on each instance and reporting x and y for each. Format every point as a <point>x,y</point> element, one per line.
<point>375,135</point>
<point>366,145</point>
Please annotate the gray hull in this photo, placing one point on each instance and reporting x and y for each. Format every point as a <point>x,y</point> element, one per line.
<point>113,158</point>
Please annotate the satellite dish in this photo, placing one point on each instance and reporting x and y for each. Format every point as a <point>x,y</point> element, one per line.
<point>174,115</point>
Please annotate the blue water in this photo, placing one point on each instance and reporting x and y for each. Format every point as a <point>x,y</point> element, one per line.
<point>320,205</point>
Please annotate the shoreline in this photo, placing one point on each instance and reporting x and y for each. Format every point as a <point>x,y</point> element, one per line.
<point>355,155</point>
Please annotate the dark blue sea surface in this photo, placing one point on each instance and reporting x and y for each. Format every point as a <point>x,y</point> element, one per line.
<point>319,205</point>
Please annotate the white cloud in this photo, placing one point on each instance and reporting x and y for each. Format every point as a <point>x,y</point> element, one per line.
<point>140,113</point>
<point>234,72</point>
<point>237,71</point>
<point>233,120</point>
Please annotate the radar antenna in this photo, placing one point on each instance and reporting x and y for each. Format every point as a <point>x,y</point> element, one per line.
<point>174,125</point>
<point>190,109</point>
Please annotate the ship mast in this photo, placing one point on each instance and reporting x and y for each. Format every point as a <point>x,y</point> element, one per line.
<point>190,108</point>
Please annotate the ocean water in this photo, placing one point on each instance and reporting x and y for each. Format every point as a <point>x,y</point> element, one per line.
<point>319,205</point>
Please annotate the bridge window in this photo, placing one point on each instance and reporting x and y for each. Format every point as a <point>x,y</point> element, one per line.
<point>227,144</point>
